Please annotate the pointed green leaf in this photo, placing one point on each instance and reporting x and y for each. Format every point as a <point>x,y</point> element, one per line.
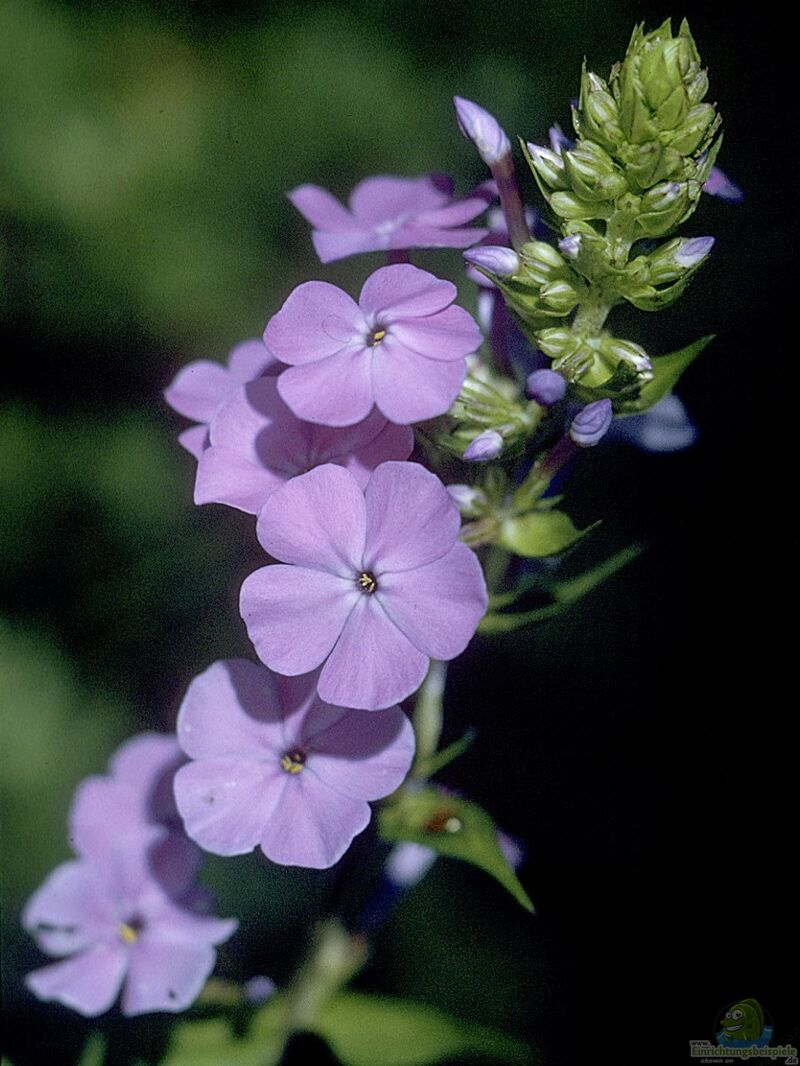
<point>365,1030</point>
<point>213,1041</point>
<point>453,827</point>
<point>667,370</point>
<point>94,1050</point>
<point>564,594</point>
<point>538,533</point>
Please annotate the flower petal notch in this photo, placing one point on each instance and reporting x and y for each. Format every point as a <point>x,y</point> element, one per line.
<point>273,766</point>
<point>391,214</point>
<point>370,586</point>
<point>257,444</point>
<point>401,348</point>
<point>198,389</point>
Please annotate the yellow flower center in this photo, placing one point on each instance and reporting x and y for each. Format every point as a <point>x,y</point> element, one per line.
<point>293,761</point>
<point>367,583</point>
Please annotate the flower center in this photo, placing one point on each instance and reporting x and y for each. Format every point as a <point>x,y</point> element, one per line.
<point>375,337</point>
<point>293,761</point>
<point>367,583</point>
<point>129,931</point>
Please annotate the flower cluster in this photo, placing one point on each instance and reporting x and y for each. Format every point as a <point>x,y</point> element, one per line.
<point>335,431</point>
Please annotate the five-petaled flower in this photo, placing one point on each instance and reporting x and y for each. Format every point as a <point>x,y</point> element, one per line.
<point>388,214</point>
<point>402,348</point>
<point>199,388</point>
<point>372,584</point>
<point>273,766</point>
<point>257,444</point>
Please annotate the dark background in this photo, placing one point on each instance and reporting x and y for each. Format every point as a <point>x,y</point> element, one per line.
<point>642,747</point>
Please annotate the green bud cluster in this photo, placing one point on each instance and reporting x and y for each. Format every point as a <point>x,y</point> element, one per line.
<point>646,142</point>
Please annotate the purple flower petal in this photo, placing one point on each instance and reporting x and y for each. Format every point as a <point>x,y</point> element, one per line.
<point>404,291</point>
<point>411,519</point>
<point>225,802</point>
<point>376,199</point>
<point>364,756</point>
<point>316,320</point>
<point>197,389</point>
<point>252,359</point>
<point>225,476</point>
<point>101,810</point>
<point>316,520</point>
<point>420,235</point>
<point>332,246</point>
<point>392,443</point>
<point>373,664</point>
<point>335,391</point>
<point>450,334</point>
<point>294,616</point>
<point>312,825</point>
<point>229,710</point>
<point>88,983</point>
<point>164,975</point>
<point>194,440</point>
<point>411,388</point>
<point>321,209</point>
<point>460,211</point>
<point>69,911</point>
<point>437,606</point>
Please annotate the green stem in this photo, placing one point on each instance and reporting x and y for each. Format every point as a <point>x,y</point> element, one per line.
<point>427,718</point>
<point>334,957</point>
<point>592,313</point>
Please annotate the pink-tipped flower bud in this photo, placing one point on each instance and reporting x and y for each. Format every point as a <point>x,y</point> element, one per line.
<point>546,387</point>
<point>483,130</point>
<point>590,425</point>
<point>485,446</point>
<point>496,259</point>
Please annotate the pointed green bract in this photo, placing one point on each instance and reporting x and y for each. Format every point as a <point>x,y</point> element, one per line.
<point>453,827</point>
<point>538,534</point>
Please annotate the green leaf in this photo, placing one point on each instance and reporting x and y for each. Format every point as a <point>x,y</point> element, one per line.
<point>564,593</point>
<point>453,827</point>
<point>365,1030</point>
<point>213,1042</point>
<point>539,533</point>
<point>667,370</point>
<point>94,1051</point>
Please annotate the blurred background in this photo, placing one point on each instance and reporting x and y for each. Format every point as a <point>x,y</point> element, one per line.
<point>640,747</point>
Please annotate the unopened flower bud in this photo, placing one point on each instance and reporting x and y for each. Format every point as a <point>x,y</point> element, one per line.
<point>495,259</point>
<point>590,425</point>
<point>470,501</point>
<point>546,387</point>
<point>693,251</point>
<point>487,445</point>
<point>570,246</point>
<point>259,989</point>
<point>547,165</point>
<point>559,297</point>
<point>483,130</point>
<point>558,139</point>
<point>719,184</point>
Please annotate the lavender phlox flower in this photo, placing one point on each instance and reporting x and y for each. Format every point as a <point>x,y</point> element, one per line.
<point>546,387</point>
<point>487,445</point>
<point>199,388</point>
<point>391,213</point>
<point>401,348</point>
<point>257,444</point>
<point>274,767</point>
<point>591,423</point>
<point>372,584</point>
<point>719,184</point>
<point>483,129</point>
<point>666,427</point>
<point>112,923</point>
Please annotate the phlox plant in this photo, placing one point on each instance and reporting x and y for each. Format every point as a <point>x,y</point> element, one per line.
<point>398,454</point>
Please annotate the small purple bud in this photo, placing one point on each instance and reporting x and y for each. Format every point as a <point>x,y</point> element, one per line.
<point>558,139</point>
<point>570,246</point>
<point>504,262</point>
<point>259,989</point>
<point>719,184</point>
<point>408,862</point>
<point>590,425</point>
<point>483,130</point>
<point>546,387</point>
<point>486,445</point>
<point>690,253</point>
